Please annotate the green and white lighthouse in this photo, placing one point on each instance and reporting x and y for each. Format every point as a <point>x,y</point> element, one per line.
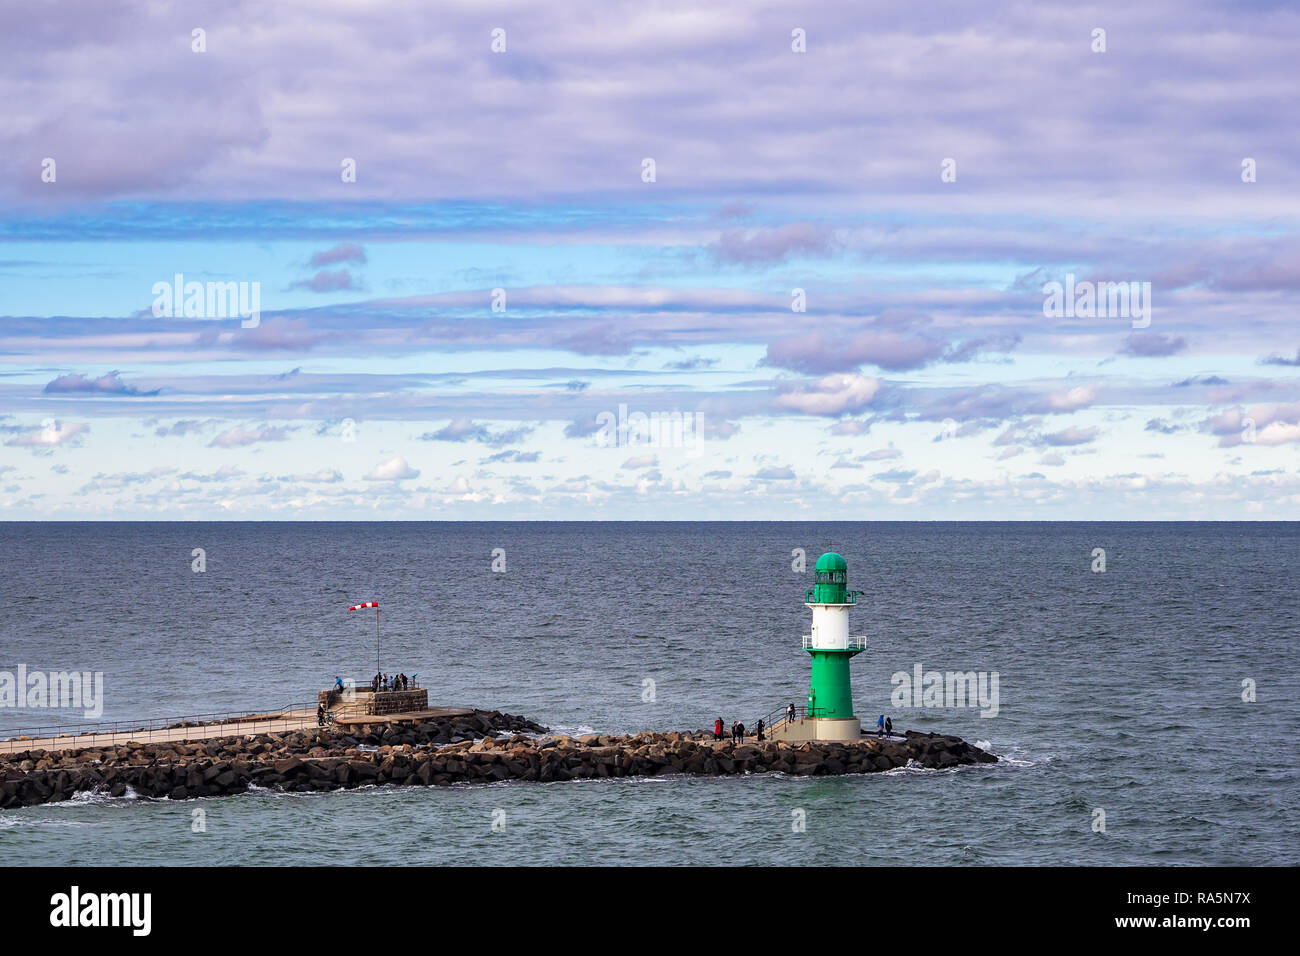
<point>829,714</point>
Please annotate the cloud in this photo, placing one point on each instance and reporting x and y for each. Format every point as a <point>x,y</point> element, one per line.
<point>601,339</point>
<point>895,343</point>
<point>993,403</point>
<point>1266,424</point>
<point>224,473</point>
<point>1152,345</point>
<point>277,333</point>
<point>237,437</point>
<point>881,454</point>
<point>49,435</point>
<point>395,469</point>
<point>1201,380</point>
<point>638,462</point>
<point>256,105</point>
<point>1019,434</point>
<point>1068,400</point>
<point>463,429</point>
<point>513,455</point>
<point>109,383</point>
<point>831,395</point>
<point>338,281</point>
<point>816,353</point>
<point>767,245</point>
<point>324,476</point>
<point>1162,426</point>
<point>715,429</point>
<point>112,482</point>
<point>851,426</point>
<point>343,252</point>
<point>1279,271</point>
<point>784,473</point>
<point>691,364</point>
<point>1276,359</point>
<point>897,475</point>
<point>582,427</point>
<point>184,426</point>
<point>1071,436</point>
<point>970,349</point>
<point>1278,433</point>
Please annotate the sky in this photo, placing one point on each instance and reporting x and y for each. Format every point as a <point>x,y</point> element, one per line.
<point>642,260</point>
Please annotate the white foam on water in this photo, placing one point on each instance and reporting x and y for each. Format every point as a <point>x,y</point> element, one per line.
<point>571,731</point>
<point>10,821</point>
<point>1016,762</point>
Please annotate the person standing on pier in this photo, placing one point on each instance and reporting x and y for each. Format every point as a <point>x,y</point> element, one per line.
<point>759,728</point>
<point>740,731</point>
<point>790,713</point>
<point>717,729</point>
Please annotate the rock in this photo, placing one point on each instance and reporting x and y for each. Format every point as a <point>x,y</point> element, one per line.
<point>224,780</point>
<point>365,770</point>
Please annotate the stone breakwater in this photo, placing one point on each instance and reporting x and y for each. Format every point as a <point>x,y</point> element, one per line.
<point>440,752</point>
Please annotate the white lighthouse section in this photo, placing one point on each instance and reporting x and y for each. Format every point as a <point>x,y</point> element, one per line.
<point>830,626</point>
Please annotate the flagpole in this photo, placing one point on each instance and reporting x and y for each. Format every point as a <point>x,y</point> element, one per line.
<point>375,605</point>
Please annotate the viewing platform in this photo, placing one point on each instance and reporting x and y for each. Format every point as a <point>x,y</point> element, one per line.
<point>364,701</point>
<point>356,707</point>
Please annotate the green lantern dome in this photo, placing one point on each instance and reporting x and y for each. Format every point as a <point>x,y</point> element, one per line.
<point>832,575</point>
<point>830,561</point>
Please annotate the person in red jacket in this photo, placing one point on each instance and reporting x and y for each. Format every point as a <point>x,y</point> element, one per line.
<point>717,729</point>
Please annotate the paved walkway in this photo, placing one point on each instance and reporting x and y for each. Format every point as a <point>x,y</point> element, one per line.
<point>294,720</point>
<point>279,724</point>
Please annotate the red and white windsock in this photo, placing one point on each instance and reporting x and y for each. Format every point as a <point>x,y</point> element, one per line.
<point>358,607</point>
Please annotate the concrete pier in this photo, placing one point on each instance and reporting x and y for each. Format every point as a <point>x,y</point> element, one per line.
<point>355,712</point>
<point>285,723</point>
<point>478,747</point>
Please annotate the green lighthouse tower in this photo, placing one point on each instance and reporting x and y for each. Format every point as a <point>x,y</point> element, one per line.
<point>830,694</point>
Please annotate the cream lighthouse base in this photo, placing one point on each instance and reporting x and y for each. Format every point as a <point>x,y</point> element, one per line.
<point>817,728</point>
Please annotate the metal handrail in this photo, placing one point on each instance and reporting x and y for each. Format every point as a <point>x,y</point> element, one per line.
<point>780,715</point>
<point>799,713</point>
<point>850,597</point>
<point>857,642</point>
<point>243,719</point>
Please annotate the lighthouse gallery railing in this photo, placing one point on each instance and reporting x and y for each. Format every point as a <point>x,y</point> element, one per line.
<point>850,597</point>
<point>858,643</point>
